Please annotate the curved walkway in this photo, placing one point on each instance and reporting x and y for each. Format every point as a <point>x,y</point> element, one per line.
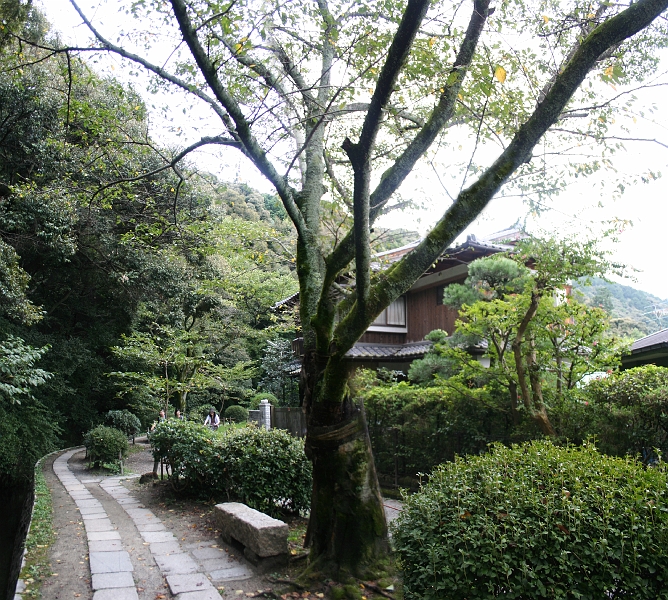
<point>126,542</point>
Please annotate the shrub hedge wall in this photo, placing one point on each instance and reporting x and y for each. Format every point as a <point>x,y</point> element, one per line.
<point>537,521</point>
<point>267,470</point>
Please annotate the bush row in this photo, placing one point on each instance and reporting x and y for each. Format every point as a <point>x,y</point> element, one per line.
<point>267,470</point>
<point>537,521</point>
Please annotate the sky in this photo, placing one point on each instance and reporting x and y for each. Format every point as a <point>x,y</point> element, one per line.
<point>580,211</point>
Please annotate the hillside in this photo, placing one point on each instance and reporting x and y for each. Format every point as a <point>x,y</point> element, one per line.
<point>633,313</point>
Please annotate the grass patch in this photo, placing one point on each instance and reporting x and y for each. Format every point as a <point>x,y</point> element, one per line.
<point>40,537</point>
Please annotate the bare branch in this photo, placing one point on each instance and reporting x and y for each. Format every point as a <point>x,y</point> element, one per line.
<point>242,127</point>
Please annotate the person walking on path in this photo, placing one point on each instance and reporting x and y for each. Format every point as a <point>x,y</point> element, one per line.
<point>212,420</point>
<point>156,460</point>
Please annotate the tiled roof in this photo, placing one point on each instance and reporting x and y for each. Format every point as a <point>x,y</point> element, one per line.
<point>649,342</point>
<point>392,351</point>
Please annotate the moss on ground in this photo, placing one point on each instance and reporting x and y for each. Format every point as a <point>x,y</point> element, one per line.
<point>40,537</point>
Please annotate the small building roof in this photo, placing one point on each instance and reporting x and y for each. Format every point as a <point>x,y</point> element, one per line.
<point>651,349</point>
<point>653,341</point>
<point>364,351</point>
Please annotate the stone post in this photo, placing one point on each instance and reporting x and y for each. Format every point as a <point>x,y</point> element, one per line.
<point>265,414</point>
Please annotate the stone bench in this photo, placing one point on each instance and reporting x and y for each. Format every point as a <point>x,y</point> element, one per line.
<point>264,539</point>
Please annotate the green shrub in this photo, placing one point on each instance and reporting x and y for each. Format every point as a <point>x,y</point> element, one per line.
<point>124,421</point>
<point>537,521</point>
<point>266,470</point>
<point>626,412</point>
<point>236,414</point>
<point>254,403</point>
<point>104,444</point>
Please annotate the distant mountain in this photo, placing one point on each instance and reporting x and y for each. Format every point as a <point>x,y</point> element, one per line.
<point>633,313</point>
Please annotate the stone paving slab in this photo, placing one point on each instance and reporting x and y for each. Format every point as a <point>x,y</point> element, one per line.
<point>142,527</point>
<point>129,593</point>
<point>176,563</point>
<point>104,545</point>
<point>163,548</point>
<point>138,513</point>
<point>94,516</point>
<point>217,564</point>
<point>98,536</point>
<point>99,525</point>
<point>92,510</point>
<point>203,595</point>
<point>88,503</point>
<point>103,581</point>
<point>129,500</point>
<point>109,562</point>
<point>157,536</point>
<point>207,553</point>
<point>188,583</point>
<point>232,574</point>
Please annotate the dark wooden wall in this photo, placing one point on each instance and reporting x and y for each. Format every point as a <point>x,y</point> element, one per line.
<point>425,312</point>
<point>378,337</point>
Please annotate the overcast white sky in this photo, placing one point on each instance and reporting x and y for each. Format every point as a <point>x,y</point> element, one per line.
<point>643,246</point>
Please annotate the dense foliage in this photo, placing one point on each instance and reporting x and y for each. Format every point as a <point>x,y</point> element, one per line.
<point>414,428</point>
<point>626,412</point>
<point>266,470</point>
<point>176,272</point>
<point>124,421</point>
<point>536,521</point>
<point>105,445</point>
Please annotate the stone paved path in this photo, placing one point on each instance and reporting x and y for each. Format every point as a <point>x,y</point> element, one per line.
<point>116,522</point>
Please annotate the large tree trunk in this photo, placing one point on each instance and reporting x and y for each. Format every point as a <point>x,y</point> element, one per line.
<point>347,528</point>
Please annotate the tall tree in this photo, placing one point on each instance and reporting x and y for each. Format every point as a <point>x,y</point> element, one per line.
<point>337,99</point>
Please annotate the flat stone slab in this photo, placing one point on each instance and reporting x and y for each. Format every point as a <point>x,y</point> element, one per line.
<point>233,574</point>
<point>196,582</point>
<point>105,546</point>
<point>103,581</point>
<point>129,500</point>
<point>142,527</point>
<point>129,593</point>
<point>99,536</point>
<point>262,534</point>
<point>164,548</point>
<point>207,553</point>
<point>99,525</point>
<point>92,510</point>
<point>203,595</point>
<point>94,516</point>
<point>138,513</point>
<point>176,563</point>
<point>219,564</point>
<point>88,503</point>
<point>157,536</point>
<point>109,562</point>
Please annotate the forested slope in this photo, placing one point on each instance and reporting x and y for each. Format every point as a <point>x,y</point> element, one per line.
<point>126,279</point>
<point>633,313</point>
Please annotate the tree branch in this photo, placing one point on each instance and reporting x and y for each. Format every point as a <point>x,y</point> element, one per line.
<point>253,149</point>
<point>470,202</point>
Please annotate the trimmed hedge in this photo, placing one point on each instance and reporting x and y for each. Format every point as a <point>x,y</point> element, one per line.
<point>236,414</point>
<point>267,470</point>
<point>537,521</point>
<point>104,444</point>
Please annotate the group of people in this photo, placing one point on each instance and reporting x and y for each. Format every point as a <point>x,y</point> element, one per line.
<point>212,419</point>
